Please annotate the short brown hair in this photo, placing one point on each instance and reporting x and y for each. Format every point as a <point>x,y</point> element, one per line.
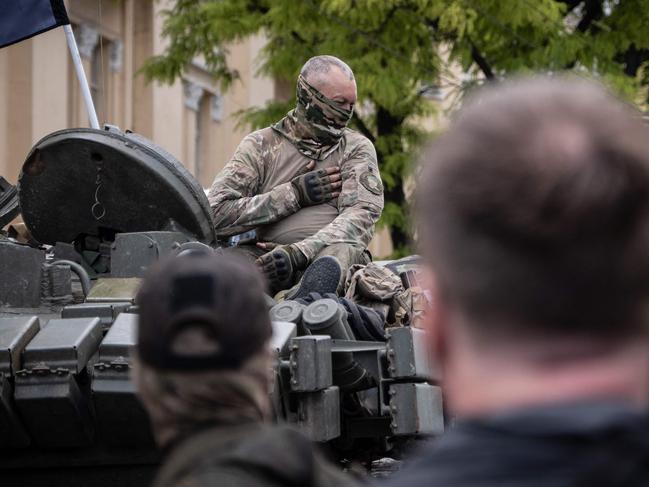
<point>534,210</point>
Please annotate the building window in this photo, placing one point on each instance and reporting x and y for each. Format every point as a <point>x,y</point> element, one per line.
<point>203,112</point>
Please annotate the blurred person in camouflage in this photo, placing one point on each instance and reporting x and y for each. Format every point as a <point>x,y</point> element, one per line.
<point>309,185</point>
<point>534,221</point>
<point>203,371</point>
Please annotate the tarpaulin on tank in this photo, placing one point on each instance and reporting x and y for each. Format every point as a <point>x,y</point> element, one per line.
<point>99,182</point>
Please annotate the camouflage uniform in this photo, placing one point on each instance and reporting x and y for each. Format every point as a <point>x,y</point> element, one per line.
<point>254,189</point>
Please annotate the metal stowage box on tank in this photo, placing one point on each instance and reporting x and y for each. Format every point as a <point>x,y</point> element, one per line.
<point>103,205</point>
<point>113,391</point>
<point>52,393</point>
<point>15,334</point>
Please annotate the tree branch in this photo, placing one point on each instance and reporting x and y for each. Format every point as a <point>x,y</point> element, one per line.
<point>298,37</point>
<point>633,59</point>
<point>571,4</point>
<point>386,20</point>
<point>362,128</point>
<point>593,11</point>
<point>482,63</point>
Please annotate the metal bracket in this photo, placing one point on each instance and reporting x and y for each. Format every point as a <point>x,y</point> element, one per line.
<point>310,363</point>
<point>416,409</point>
<point>408,354</point>
<point>319,414</point>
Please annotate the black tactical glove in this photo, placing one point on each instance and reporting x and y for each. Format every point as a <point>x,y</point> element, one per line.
<point>280,265</point>
<point>316,187</point>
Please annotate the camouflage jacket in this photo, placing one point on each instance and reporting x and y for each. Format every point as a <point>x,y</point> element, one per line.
<point>254,191</point>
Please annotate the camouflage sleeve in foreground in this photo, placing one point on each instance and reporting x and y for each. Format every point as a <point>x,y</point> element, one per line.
<point>360,203</point>
<point>235,205</point>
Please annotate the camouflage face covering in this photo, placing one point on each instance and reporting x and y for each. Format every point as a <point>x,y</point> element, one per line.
<point>317,123</point>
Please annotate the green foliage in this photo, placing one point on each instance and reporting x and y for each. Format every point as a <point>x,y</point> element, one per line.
<point>259,117</point>
<point>399,47</point>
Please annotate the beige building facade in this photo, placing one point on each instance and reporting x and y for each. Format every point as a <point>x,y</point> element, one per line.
<point>191,119</point>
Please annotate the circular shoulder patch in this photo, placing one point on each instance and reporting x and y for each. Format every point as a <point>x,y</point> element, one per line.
<point>371,183</point>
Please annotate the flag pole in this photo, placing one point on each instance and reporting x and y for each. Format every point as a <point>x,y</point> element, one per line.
<point>83,81</point>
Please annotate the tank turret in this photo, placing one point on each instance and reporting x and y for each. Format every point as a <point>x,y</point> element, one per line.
<point>100,207</point>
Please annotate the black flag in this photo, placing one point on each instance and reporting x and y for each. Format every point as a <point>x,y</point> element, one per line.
<point>22,19</point>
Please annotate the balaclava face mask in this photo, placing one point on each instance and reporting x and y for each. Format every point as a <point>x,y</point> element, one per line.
<point>316,125</point>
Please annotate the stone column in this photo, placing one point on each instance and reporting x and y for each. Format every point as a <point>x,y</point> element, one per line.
<point>87,38</point>
<point>17,112</point>
<point>192,95</point>
<point>114,91</point>
<point>167,99</point>
<point>128,71</point>
<point>50,82</point>
<point>142,49</point>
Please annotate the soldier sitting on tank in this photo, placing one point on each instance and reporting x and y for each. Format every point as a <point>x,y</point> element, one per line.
<point>309,185</point>
<point>203,372</point>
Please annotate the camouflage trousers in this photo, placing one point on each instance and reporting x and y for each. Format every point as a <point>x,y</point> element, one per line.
<point>346,254</point>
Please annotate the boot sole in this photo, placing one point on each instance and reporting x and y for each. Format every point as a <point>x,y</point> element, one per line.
<point>323,276</point>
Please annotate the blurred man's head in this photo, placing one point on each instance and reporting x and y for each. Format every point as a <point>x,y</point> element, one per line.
<point>202,344</point>
<point>534,218</point>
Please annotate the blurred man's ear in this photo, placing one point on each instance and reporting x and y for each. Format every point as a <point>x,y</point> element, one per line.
<point>436,319</point>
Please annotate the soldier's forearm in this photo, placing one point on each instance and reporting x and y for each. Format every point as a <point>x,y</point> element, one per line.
<point>236,215</point>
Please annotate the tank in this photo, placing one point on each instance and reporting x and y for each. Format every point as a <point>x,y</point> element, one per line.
<point>101,206</point>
